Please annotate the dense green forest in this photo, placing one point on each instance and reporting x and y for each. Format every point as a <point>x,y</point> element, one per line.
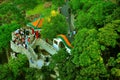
<point>96,46</point>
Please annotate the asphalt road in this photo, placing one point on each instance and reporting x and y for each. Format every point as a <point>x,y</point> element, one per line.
<point>66,11</point>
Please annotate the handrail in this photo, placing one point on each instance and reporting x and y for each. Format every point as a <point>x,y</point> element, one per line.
<point>32,53</point>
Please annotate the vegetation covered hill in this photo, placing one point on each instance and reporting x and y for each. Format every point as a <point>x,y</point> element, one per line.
<point>96,51</point>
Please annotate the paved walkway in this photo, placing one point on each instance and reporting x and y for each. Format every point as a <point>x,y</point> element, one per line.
<point>31,55</point>
<point>44,45</point>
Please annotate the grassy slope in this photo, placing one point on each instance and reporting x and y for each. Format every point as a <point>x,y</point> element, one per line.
<point>39,9</point>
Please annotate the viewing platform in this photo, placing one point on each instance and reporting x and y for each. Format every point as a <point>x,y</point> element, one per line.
<point>27,48</point>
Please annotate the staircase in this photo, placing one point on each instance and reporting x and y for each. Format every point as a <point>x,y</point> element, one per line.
<point>44,45</point>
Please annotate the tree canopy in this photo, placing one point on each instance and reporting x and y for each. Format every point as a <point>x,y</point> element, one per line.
<point>54,26</point>
<point>95,54</point>
<point>12,17</point>
<point>96,46</point>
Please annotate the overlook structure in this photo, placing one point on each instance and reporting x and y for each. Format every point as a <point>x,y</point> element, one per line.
<point>28,41</point>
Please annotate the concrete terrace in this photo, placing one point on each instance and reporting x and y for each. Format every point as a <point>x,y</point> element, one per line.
<point>34,61</point>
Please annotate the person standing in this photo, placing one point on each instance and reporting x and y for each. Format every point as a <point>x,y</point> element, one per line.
<point>26,41</point>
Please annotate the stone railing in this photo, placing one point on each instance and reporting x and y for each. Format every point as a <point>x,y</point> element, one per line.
<point>32,53</point>
<point>33,45</point>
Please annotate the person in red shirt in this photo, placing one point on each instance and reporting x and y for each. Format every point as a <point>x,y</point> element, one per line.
<point>28,39</point>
